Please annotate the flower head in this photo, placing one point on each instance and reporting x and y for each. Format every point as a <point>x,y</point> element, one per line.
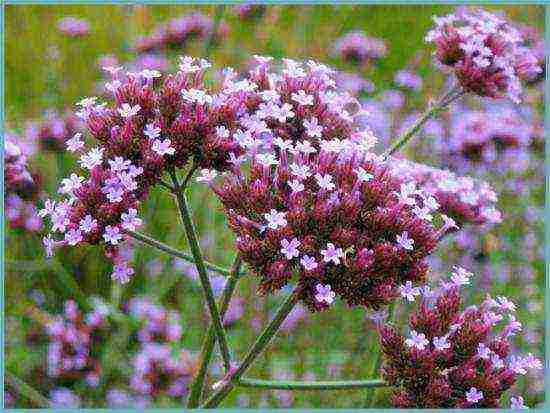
<point>485,52</point>
<point>453,358</point>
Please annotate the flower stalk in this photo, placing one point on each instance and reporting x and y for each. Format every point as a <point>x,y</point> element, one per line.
<point>453,94</point>
<point>201,269</point>
<point>257,348</point>
<point>209,340</point>
<point>311,385</point>
<point>174,252</point>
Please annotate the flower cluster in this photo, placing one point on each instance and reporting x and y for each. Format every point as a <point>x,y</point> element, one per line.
<point>73,27</point>
<point>495,136</point>
<point>249,11</point>
<point>343,226</point>
<point>353,83</point>
<point>356,47</point>
<point>177,32</point>
<point>317,203</point>
<point>64,398</point>
<point>408,80</point>
<point>463,199</point>
<point>158,325</point>
<point>156,124</point>
<point>157,372</point>
<point>453,358</point>
<point>485,52</point>
<point>74,342</point>
<point>21,190</point>
<point>52,132</point>
<point>17,178</point>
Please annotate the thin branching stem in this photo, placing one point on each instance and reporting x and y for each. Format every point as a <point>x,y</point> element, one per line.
<point>257,348</point>
<point>453,94</point>
<point>23,389</point>
<point>145,239</point>
<point>209,340</point>
<point>192,238</point>
<point>311,385</point>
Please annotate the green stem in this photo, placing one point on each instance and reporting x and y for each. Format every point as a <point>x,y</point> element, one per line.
<point>201,269</point>
<point>371,398</point>
<point>311,385</point>
<point>209,340</point>
<point>23,389</point>
<point>441,104</point>
<point>174,252</point>
<point>257,348</point>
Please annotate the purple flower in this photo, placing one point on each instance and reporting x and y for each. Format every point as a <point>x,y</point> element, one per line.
<point>130,220</point>
<point>73,27</point>
<point>441,343</point>
<point>64,398</point>
<point>324,294</point>
<point>517,403</point>
<point>309,263</point>
<point>474,395</point>
<point>75,143</point>
<point>112,235</point>
<point>404,241</point>
<point>163,147</point>
<point>290,248</point>
<point>417,340</point>
<point>275,219</point>
<point>332,253</point>
<point>408,291</point>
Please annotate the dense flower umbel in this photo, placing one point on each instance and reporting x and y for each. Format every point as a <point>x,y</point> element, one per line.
<point>176,32</point>
<point>463,199</point>
<point>74,341</point>
<point>453,358</point>
<point>158,372</point>
<point>485,52</point>
<point>73,27</point>
<point>155,124</point>
<point>357,47</point>
<point>337,220</point>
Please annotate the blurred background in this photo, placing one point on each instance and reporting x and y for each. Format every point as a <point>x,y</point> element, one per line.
<point>54,56</point>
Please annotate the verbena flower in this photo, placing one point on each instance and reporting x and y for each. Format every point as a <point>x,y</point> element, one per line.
<point>158,372</point>
<point>453,358</point>
<point>74,341</point>
<point>484,51</point>
<point>155,123</point>
<point>357,47</point>
<point>317,205</point>
<point>249,11</point>
<point>21,188</point>
<point>63,398</point>
<point>53,132</point>
<point>408,80</point>
<point>158,325</point>
<point>73,27</point>
<point>178,31</point>
<point>353,83</point>
<point>463,199</point>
